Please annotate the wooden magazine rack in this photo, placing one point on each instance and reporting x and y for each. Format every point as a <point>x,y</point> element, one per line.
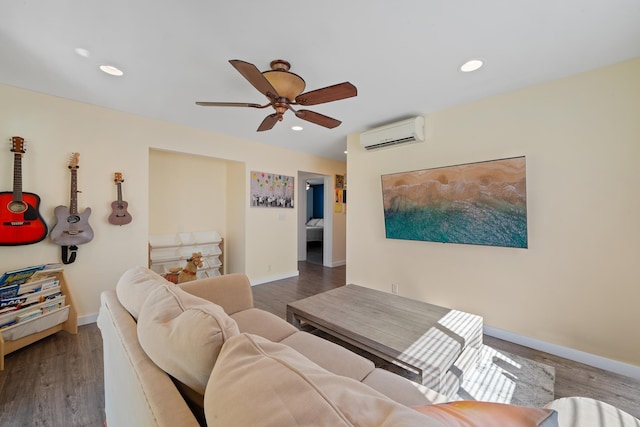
<point>24,333</point>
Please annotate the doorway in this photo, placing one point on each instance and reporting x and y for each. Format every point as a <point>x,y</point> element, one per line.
<point>314,219</point>
<point>314,223</point>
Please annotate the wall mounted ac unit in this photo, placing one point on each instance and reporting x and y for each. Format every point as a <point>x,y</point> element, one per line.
<point>403,132</point>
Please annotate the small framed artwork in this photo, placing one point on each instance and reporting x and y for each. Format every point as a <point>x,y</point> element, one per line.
<point>340,181</point>
<point>271,190</point>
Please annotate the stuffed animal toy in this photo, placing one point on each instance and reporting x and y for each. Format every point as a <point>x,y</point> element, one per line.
<point>189,271</point>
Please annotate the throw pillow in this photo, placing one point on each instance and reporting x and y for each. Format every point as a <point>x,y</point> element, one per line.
<point>183,334</point>
<point>134,287</point>
<point>257,382</point>
<point>468,413</point>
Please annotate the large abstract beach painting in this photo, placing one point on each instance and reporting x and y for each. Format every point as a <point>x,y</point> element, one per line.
<point>481,203</point>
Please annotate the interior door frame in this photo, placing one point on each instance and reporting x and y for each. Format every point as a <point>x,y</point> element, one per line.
<point>327,240</point>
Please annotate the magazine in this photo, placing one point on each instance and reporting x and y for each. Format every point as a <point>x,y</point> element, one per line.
<point>20,276</point>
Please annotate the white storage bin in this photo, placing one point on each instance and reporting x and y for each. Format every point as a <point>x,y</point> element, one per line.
<point>164,240</point>
<point>210,250</point>
<point>186,252</point>
<point>165,254</point>
<point>201,237</point>
<point>211,262</point>
<point>186,239</point>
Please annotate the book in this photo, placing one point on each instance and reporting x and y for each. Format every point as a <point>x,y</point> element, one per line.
<point>37,286</point>
<point>28,315</point>
<point>4,310</point>
<point>11,315</point>
<point>19,276</point>
<point>8,322</point>
<point>49,270</point>
<point>12,302</point>
<point>48,307</point>
<point>9,291</point>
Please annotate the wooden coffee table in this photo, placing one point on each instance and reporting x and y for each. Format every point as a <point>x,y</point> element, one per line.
<point>438,344</point>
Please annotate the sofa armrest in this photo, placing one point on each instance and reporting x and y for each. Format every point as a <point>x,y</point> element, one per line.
<point>232,291</point>
<point>137,392</point>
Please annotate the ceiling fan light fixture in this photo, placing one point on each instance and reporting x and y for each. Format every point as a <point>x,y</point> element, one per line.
<point>288,84</point>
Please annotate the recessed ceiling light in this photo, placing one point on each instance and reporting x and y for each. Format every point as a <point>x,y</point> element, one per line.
<point>110,69</point>
<point>345,151</point>
<point>297,128</point>
<point>471,65</point>
<point>82,52</point>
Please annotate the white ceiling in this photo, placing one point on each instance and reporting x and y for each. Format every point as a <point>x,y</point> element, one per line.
<point>401,55</point>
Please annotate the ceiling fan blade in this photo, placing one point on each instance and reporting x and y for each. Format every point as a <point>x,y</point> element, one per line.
<point>318,119</point>
<point>268,123</point>
<point>255,77</point>
<point>228,104</point>
<point>327,94</point>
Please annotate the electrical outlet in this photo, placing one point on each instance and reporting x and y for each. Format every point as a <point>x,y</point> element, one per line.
<point>394,288</point>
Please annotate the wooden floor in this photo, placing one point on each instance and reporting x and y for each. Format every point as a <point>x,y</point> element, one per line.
<point>58,381</point>
<point>55,382</point>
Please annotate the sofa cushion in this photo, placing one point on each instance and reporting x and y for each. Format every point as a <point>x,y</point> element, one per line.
<point>134,287</point>
<point>260,322</point>
<point>183,334</point>
<point>259,382</point>
<point>468,413</point>
<point>330,356</point>
<point>402,390</point>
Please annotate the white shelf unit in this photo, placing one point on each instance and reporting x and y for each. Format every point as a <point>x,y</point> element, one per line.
<point>171,251</point>
<point>65,318</point>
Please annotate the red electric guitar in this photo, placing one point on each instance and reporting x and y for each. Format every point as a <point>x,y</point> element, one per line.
<point>20,219</point>
<point>119,216</point>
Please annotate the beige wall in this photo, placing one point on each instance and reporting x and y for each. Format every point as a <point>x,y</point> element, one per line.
<point>578,283</point>
<point>186,193</point>
<point>110,141</point>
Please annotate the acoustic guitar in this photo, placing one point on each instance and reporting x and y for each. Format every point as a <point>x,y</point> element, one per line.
<point>72,228</point>
<point>119,214</point>
<point>20,219</point>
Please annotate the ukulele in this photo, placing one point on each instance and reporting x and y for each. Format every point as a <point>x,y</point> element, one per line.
<point>20,219</point>
<point>119,216</point>
<point>72,228</point>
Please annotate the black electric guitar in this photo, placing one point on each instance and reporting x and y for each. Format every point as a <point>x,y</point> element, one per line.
<point>72,228</point>
<point>119,214</point>
<point>20,219</point>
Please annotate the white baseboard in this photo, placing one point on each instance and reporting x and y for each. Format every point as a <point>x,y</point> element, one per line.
<point>338,263</point>
<point>566,352</point>
<point>89,318</point>
<point>274,278</point>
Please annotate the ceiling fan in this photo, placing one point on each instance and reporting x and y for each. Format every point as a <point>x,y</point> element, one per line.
<point>284,89</point>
